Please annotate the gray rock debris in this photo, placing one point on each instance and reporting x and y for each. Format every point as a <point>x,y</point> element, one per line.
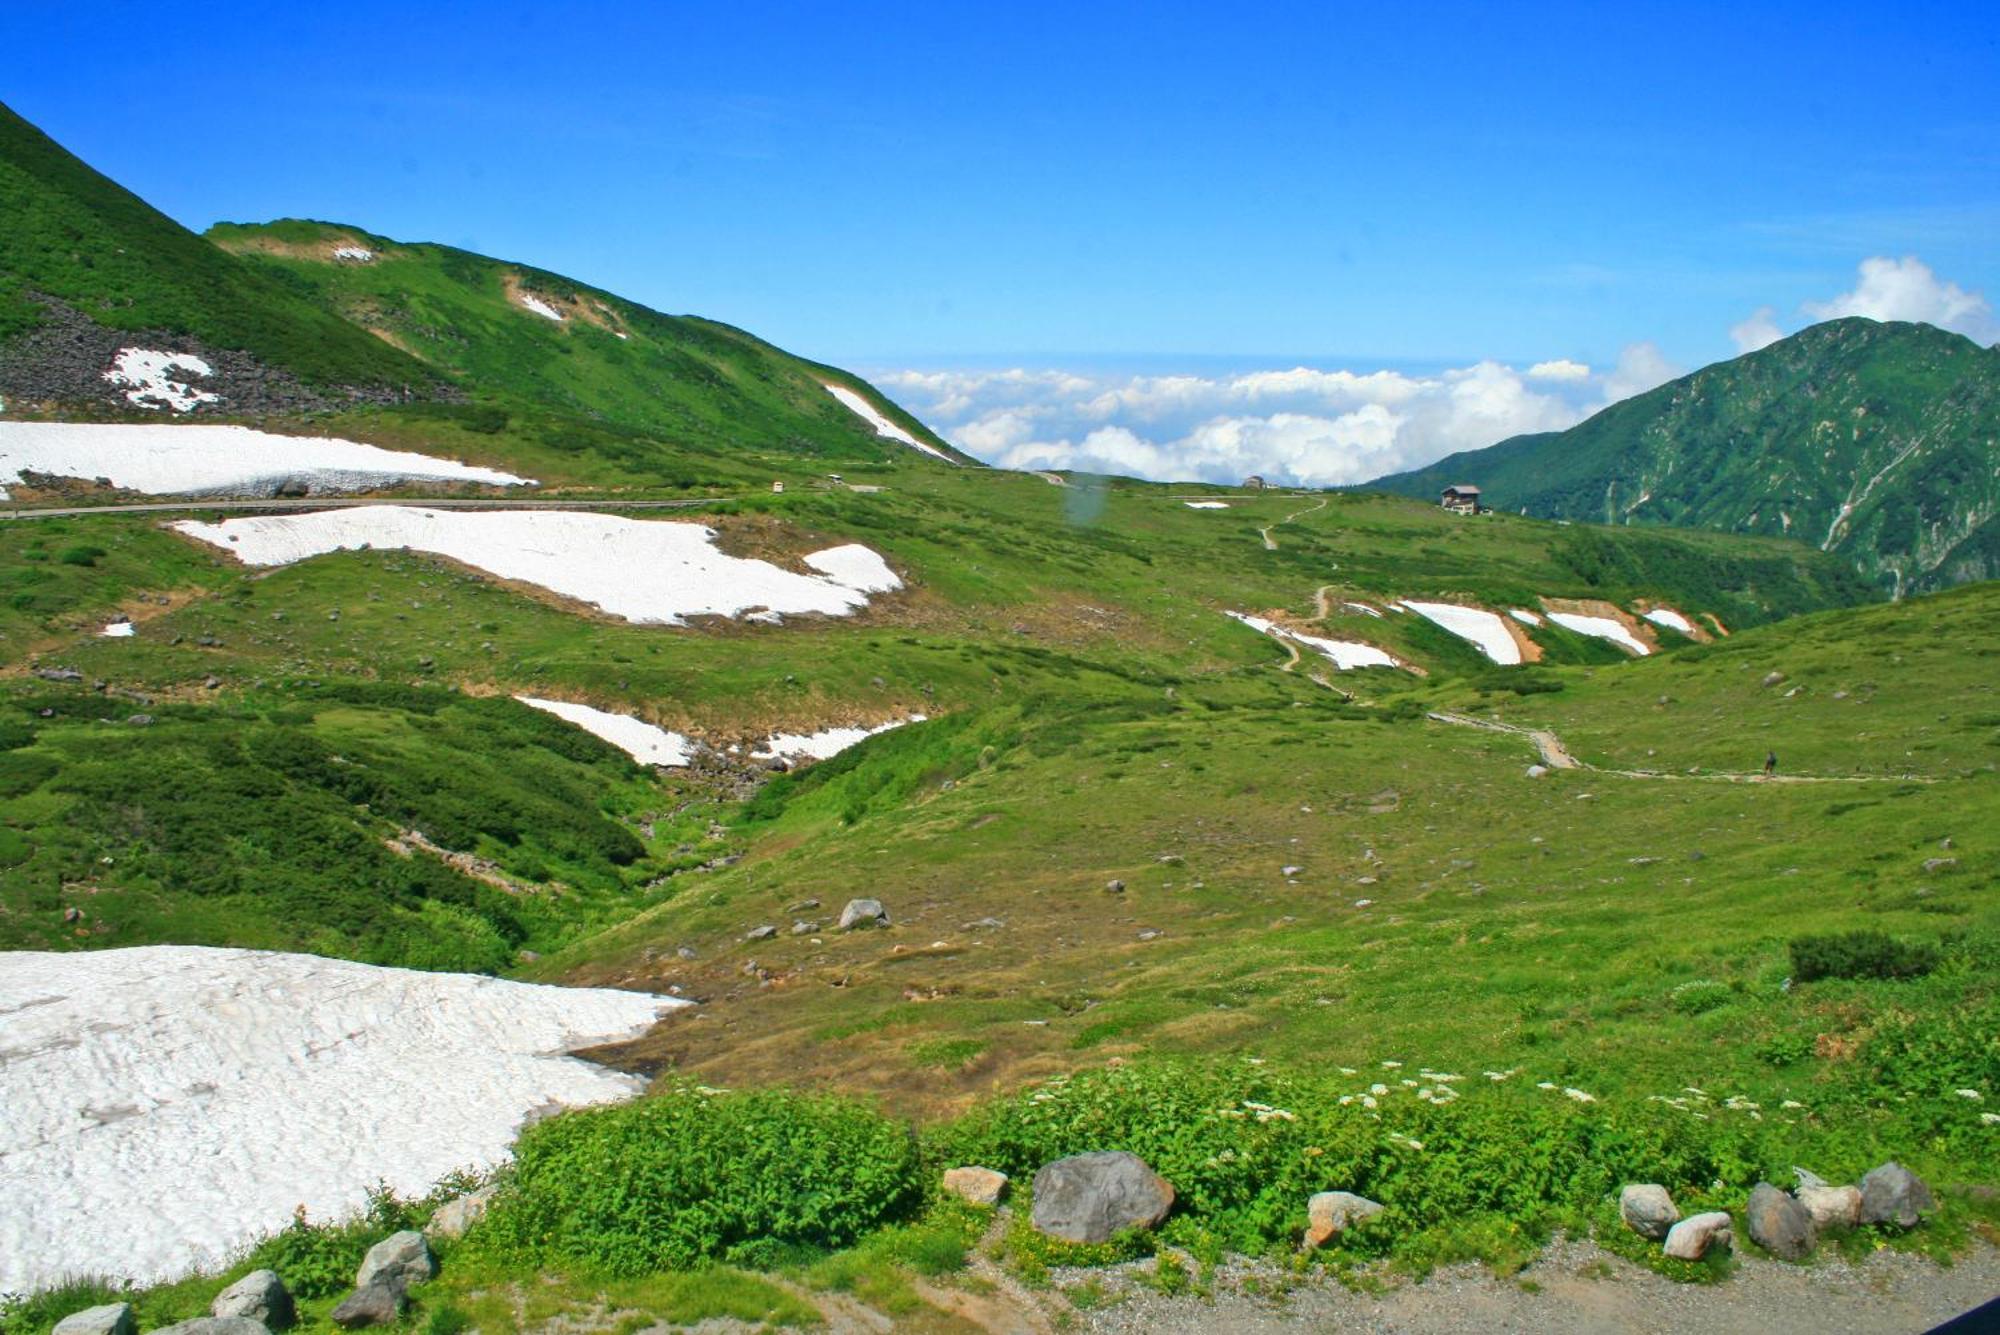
<point>863,913</point>
<point>1092,1197</point>
<point>258,1296</point>
<point>110,1319</point>
<point>1648,1210</point>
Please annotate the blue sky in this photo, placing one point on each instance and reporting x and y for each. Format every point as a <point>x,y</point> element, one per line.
<point>1142,187</point>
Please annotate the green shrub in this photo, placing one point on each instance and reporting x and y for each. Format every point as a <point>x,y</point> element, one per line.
<point>319,1260</point>
<point>1699,997</point>
<point>691,1175</point>
<point>31,1314</point>
<point>1863,954</point>
<point>82,555</point>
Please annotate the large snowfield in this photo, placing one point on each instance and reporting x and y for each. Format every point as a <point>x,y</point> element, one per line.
<point>867,412</point>
<point>1484,629</point>
<point>647,571</point>
<point>163,1107</point>
<point>824,745</point>
<point>643,741</point>
<point>217,460</point>
<point>1603,628</point>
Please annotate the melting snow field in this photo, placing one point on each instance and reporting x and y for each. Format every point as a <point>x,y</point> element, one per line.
<point>217,460</point>
<point>1603,628</point>
<point>867,412</point>
<point>1485,629</point>
<point>355,254</point>
<point>1524,616</point>
<point>1346,655</point>
<point>162,1107</point>
<point>822,745</point>
<point>648,571</point>
<point>1672,620</point>
<point>1206,505</point>
<point>148,382</point>
<point>118,630</point>
<point>645,743</point>
<point>540,307</point>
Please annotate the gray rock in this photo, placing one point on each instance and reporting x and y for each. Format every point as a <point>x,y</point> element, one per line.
<point>1693,1237</point>
<point>804,928</point>
<point>1831,1208</point>
<point>1537,771</point>
<point>1778,1223</point>
<point>1290,871</point>
<point>764,933</point>
<point>1892,1194</point>
<point>110,1319</point>
<point>1331,1213</point>
<point>260,1296</point>
<point>1773,678</point>
<point>1091,1197</point>
<point>403,1257</point>
<point>1648,1210</point>
<point>371,1305</point>
<point>1116,887</point>
<point>863,913</point>
<point>1939,864</point>
<point>981,1186</point>
<point>215,1325</point>
<point>459,1214</point>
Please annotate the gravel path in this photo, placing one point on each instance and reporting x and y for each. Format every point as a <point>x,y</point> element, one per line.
<point>1573,1287</point>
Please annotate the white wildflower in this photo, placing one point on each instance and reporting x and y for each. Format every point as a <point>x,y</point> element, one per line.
<point>1972,1094</point>
<point>1580,1096</point>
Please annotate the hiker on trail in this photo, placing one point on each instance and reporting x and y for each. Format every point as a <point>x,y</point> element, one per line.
<point>1770,763</point>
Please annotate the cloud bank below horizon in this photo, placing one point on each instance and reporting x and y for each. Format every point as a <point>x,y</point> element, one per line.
<point>1320,428</point>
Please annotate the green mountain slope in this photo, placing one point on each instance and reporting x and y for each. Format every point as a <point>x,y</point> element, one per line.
<point>1876,441</point>
<point>521,334</point>
<point>118,264</point>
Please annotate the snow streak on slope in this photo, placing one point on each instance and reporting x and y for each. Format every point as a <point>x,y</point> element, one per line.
<point>1672,620</point>
<point>162,1107</point>
<point>866,411</point>
<point>821,745</point>
<point>1603,628</point>
<point>1483,628</point>
<point>1206,505</point>
<point>645,743</point>
<point>1346,655</point>
<point>650,571</point>
<point>218,460</point>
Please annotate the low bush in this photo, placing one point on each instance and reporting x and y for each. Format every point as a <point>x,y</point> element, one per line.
<point>694,1175</point>
<point>1863,954</point>
<point>82,555</point>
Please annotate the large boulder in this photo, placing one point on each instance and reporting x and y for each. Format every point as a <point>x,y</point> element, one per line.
<point>1091,1197</point>
<point>1831,1208</point>
<point>215,1325</point>
<point>1331,1213</point>
<point>378,1304</point>
<point>1778,1223</point>
<point>1892,1194</point>
<point>455,1216</point>
<point>1695,1236</point>
<point>110,1319</point>
<point>980,1186</point>
<point>863,913</point>
<point>404,1257</point>
<point>259,1296</point>
<point>1648,1210</point>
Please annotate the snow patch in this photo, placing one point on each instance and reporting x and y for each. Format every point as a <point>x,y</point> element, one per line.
<point>1346,655</point>
<point>162,1107</point>
<point>1483,628</point>
<point>646,571</point>
<point>117,630</point>
<point>868,413</point>
<point>1206,505</point>
<point>645,743</point>
<point>1672,620</point>
<point>540,307</point>
<point>147,374</point>
<point>821,745</point>
<point>218,460</point>
<point>1603,628</point>
<point>354,254</point>
<point>1524,616</point>
<point>1365,609</point>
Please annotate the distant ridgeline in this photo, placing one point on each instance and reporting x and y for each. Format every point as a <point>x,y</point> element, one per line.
<point>1876,441</point>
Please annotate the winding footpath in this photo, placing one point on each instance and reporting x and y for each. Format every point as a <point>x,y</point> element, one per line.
<point>1271,543</point>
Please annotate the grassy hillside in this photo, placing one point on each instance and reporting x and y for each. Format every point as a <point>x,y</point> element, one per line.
<point>488,324</point>
<point>76,236</point>
<point>1876,441</point>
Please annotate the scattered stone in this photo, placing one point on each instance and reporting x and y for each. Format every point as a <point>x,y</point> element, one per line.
<point>1831,1208</point>
<point>1778,1223</point>
<point>804,928</point>
<point>980,1186</point>
<point>1939,864</point>
<point>72,914</point>
<point>140,720</point>
<point>1893,1194</point>
<point>371,1305</point>
<point>1773,678</point>
<point>863,913</point>
<point>212,683</point>
<point>1290,871</point>
<point>684,952</point>
<point>1537,771</point>
<point>1331,1213</point>
<point>215,1325</point>
<point>802,906</point>
<point>110,1319</point>
<point>259,1296</point>
<point>1115,886</point>
<point>1691,1239</point>
<point>404,1257</point>
<point>457,1215</point>
<point>764,933</point>
<point>1648,1210</point>
<point>986,924</point>
<point>1091,1197</point>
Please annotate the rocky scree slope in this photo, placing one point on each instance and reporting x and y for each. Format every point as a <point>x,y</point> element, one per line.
<point>1876,441</point>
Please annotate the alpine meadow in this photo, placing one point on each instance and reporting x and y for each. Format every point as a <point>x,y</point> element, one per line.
<point>521,812</point>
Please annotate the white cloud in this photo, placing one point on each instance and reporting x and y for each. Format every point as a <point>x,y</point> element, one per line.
<point>1759,329</point>
<point>1906,289</point>
<point>1302,426</point>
